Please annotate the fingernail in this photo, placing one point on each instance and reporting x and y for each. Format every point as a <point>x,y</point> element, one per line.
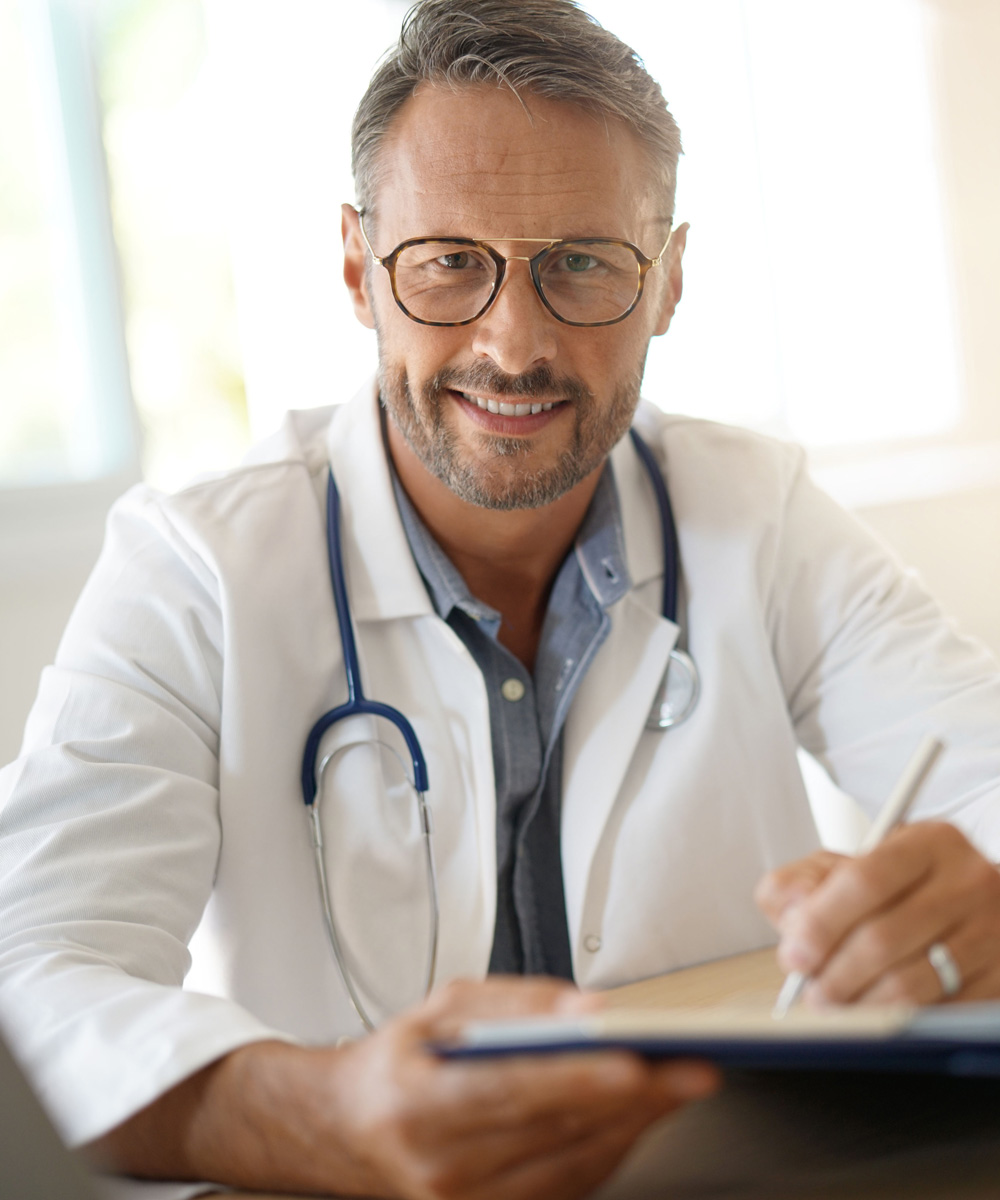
<point>815,996</point>
<point>796,955</point>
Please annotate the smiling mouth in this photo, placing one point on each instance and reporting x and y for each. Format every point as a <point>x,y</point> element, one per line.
<point>504,409</point>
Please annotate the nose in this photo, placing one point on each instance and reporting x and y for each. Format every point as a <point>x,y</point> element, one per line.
<point>516,332</point>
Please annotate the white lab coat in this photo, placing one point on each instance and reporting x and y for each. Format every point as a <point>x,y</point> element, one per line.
<point>158,789</point>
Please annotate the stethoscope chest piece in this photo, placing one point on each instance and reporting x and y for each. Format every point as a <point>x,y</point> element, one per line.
<point>677,694</point>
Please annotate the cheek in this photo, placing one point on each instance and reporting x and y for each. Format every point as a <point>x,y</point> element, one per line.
<point>422,350</point>
<point>614,351</point>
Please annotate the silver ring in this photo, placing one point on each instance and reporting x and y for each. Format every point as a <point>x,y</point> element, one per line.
<point>945,968</point>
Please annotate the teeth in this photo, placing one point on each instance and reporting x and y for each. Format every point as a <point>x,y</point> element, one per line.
<point>506,410</point>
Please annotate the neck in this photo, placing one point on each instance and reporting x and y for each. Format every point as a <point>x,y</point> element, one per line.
<point>508,559</point>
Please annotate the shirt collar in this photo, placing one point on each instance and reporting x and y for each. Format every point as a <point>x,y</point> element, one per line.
<point>599,549</point>
<point>600,543</point>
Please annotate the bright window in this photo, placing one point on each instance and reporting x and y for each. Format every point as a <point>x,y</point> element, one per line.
<point>818,301</point>
<point>817,298</point>
<point>65,408</point>
<point>288,170</point>
<point>167,156</point>
<point>113,235</point>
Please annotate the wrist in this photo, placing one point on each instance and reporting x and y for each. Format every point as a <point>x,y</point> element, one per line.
<point>270,1117</point>
<point>265,1116</point>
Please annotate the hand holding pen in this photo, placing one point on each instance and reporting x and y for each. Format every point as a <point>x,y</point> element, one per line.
<point>913,919</point>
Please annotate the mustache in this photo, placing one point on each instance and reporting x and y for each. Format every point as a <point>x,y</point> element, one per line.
<point>541,381</point>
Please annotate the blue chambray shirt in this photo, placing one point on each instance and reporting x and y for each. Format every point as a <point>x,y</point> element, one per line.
<point>531,935</point>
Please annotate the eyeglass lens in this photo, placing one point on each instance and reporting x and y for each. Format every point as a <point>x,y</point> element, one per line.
<point>582,281</point>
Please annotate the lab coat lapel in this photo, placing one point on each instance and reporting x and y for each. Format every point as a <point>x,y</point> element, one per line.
<point>399,638</point>
<point>382,577</point>
<point>610,709</point>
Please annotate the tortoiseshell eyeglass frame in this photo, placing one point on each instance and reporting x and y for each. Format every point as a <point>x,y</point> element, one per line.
<point>643,264</point>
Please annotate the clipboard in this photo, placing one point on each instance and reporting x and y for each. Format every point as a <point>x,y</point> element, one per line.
<point>956,1039</point>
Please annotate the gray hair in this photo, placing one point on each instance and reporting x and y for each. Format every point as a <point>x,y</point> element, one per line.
<point>547,48</point>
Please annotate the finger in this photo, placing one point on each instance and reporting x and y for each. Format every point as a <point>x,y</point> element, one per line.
<point>471,1156</point>
<point>681,1080</point>
<point>901,933</point>
<point>984,986</point>
<point>493,1148</point>
<point>856,890</point>
<point>449,1007</point>
<point>442,1015</point>
<point>420,1114</point>
<point>506,1093</point>
<point>913,981</point>
<point>785,886</point>
<point>430,1100</point>
<point>575,1170</point>
<point>958,897</point>
<point>916,981</point>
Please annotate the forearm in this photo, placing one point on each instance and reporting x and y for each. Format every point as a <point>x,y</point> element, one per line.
<point>263,1117</point>
<point>385,1117</point>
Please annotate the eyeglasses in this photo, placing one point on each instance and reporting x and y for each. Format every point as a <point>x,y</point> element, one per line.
<point>453,281</point>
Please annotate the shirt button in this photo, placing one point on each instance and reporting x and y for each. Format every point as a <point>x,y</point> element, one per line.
<point>512,689</point>
<point>592,943</point>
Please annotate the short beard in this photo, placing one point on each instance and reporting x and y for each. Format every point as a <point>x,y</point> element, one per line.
<point>493,478</point>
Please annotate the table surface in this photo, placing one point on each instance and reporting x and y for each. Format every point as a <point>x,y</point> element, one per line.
<point>748,980</point>
<point>799,1136</point>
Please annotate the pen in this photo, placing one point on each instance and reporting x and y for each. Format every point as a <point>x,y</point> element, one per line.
<point>891,814</point>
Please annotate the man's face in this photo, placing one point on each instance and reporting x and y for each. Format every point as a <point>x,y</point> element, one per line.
<point>472,163</point>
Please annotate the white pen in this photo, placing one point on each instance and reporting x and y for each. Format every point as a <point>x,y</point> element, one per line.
<point>891,814</point>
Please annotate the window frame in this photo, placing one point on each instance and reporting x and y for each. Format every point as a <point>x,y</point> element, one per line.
<point>53,526</point>
<point>59,41</point>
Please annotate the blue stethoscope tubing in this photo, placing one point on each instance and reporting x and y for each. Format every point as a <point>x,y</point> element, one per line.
<point>663,716</point>
<point>358,704</point>
<point>681,668</point>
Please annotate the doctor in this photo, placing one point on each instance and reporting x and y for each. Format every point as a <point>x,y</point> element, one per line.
<point>504,571</point>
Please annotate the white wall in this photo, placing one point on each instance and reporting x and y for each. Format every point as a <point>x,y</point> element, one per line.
<point>49,540</point>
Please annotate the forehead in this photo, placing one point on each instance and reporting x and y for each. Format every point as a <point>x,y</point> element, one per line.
<point>477,162</point>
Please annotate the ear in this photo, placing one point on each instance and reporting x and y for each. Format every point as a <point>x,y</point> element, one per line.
<point>355,275</point>
<point>675,278</point>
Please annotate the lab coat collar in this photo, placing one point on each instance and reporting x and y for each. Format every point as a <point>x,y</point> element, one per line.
<point>383,579</point>
<point>640,522</point>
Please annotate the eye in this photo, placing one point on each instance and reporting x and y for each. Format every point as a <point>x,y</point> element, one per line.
<point>455,260</point>
<point>578,262</point>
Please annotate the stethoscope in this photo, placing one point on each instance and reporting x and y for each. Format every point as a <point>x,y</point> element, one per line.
<point>675,700</point>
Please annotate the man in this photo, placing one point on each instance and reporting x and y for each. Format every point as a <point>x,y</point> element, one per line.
<point>504,571</point>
